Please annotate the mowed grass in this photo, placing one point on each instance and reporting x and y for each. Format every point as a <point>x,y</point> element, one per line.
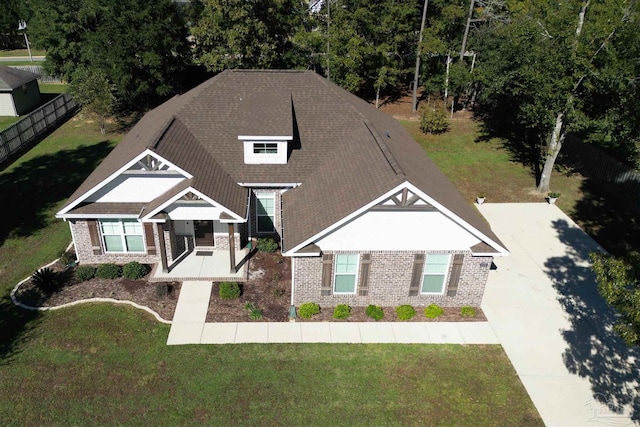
<point>109,365</point>
<point>5,122</point>
<point>21,52</point>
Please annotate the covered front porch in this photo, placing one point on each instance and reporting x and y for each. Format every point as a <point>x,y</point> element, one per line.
<point>205,264</point>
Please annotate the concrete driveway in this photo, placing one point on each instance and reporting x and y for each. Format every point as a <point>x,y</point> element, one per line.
<point>543,304</point>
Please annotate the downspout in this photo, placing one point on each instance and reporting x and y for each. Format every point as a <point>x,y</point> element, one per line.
<point>73,239</point>
<point>292,308</point>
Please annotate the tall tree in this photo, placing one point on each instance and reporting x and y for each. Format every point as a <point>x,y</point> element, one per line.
<point>139,46</point>
<point>13,11</point>
<point>542,70</point>
<point>247,33</point>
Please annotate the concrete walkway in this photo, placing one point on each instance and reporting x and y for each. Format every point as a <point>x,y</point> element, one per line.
<point>543,304</point>
<point>189,327</point>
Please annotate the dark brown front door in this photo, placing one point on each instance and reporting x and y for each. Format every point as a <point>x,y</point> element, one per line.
<point>203,233</point>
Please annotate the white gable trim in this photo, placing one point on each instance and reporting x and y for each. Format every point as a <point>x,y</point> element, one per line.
<point>237,218</point>
<point>120,171</point>
<point>475,232</point>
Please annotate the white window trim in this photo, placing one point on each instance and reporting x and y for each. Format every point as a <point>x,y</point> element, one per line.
<point>122,238</point>
<point>357,274</point>
<point>271,195</point>
<point>444,281</point>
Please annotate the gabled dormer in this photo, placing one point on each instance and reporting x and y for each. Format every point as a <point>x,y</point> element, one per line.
<point>260,150</point>
<point>267,128</point>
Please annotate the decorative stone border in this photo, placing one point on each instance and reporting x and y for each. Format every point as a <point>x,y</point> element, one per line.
<point>17,303</point>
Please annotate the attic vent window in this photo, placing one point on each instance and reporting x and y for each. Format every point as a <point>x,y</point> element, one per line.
<point>265,148</point>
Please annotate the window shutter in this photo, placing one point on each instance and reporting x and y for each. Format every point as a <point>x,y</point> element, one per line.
<point>95,237</point>
<point>148,236</point>
<point>363,288</point>
<point>327,265</point>
<point>454,278</point>
<point>416,275</point>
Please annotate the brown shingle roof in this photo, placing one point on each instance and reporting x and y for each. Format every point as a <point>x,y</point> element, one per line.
<point>346,153</point>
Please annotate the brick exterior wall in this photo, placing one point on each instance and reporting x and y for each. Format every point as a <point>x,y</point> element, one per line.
<point>278,213</point>
<point>389,280</point>
<point>84,251</point>
<point>222,241</point>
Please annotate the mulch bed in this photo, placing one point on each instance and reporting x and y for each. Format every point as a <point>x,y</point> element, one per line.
<point>160,297</point>
<point>268,289</point>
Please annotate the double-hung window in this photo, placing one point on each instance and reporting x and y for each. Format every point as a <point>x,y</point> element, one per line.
<point>266,212</point>
<point>265,148</point>
<point>122,235</point>
<point>435,273</point>
<point>345,275</point>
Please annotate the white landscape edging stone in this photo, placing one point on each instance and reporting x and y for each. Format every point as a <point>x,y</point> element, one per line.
<point>17,303</point>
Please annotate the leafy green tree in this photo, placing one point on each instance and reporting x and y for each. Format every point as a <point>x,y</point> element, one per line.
<point>543,72</point>
<point>92,90</point>
<point>12,12</point>
<point>247,33</point>
<point>139,46</point>
<point>619,284</point>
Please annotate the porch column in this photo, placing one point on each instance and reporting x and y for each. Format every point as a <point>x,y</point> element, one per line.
<point>232,249</point>
<point>162,247</point>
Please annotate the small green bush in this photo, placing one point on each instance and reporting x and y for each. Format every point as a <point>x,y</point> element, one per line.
<point>229,290</point>
<point>308,310</point>
<point>405,312</point>
<point>433,310</point>
<point>254,312</point>
<point>85,272</point>
<point>342,311</point>
<point>134,270</point>
<point>467,311</point>
<point>66,258</point>
<point>267,244</point>
<point>375,312</point>
<point>108,271</point>
<point>434,120</point>
<point>47,280</point>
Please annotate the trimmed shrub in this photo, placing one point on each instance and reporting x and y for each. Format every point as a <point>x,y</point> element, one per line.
<point>434,120</point>
<point>433,310</point>
<point>467,311</point>
<point>85,272</point>
<point>47,280</point>
<point>375,312</point>
<point>405,312</point>
<point>308,310</point>
<point>229,290</point>
<point>134,270</point>
<point>342,311</point>
<point>267,244</point>
<point>108,271</point>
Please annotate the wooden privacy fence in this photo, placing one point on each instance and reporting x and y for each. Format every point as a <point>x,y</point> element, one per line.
<point>621,180</point>
<point>24,132</point>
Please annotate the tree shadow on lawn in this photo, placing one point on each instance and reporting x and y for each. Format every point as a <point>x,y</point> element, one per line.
<point>594,351</point>
<point>29,191</point>
<point>16,326</point>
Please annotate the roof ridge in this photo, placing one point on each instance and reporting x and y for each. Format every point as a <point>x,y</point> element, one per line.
<point>384,149</point>
<point>153,143</point>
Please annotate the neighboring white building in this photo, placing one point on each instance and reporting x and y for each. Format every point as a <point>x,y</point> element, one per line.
<point>19,91</point>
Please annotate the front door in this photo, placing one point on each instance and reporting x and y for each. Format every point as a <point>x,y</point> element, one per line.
<point>203,231</point>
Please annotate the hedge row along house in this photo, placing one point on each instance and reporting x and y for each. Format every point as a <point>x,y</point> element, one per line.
<point>352,199</point>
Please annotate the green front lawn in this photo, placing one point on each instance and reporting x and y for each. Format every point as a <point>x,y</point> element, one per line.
<point>106,365</point>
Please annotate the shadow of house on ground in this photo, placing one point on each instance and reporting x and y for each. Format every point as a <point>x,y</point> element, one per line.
<point>29,191</point>
<point>594,351</point>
